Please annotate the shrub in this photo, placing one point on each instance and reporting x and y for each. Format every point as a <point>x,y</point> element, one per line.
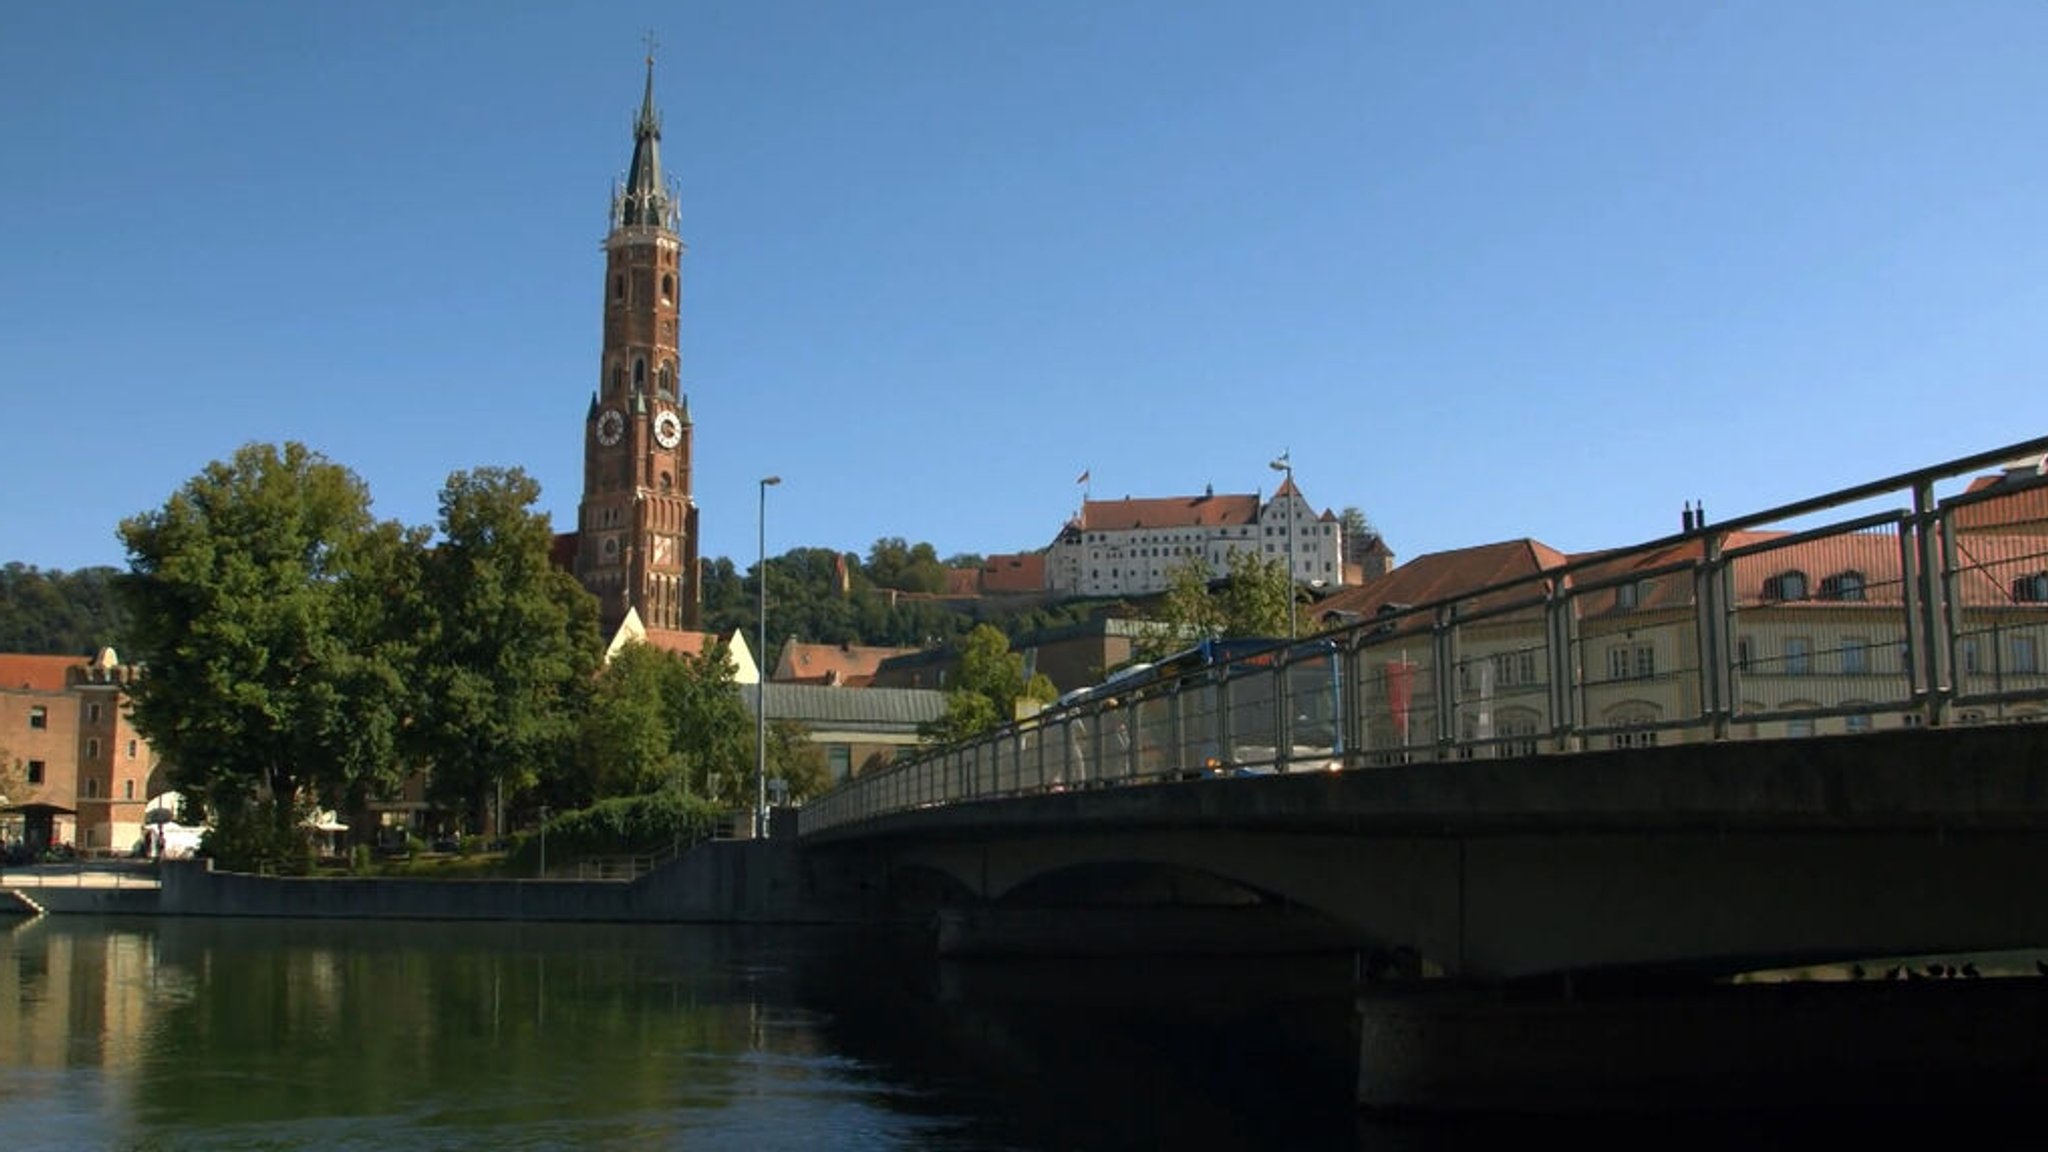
<point>623,826</point>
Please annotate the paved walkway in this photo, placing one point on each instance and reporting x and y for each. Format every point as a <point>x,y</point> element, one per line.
<point>88,874</point>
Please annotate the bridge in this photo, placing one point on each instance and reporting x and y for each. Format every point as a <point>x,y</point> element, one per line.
<point>1811,734</point>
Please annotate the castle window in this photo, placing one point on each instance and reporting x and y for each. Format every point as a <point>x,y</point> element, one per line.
<point>92,748</point>
<point>92,713</point>
<point>128,790</point>
<point>35,772</point>
<point>1842,586</point>
<point>1786,586</point>
<point>92,788</point>
<point>39,717</point>
<point>131,749</point>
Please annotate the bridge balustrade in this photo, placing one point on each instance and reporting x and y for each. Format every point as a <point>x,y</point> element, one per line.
<point>1815,618</point>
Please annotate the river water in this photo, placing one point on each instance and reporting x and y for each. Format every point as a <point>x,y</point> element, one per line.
<point>135,1033</point>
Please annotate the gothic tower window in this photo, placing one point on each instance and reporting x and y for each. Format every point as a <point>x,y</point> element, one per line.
<point>618,379</point>
<point>668,378</point>
<point>618,287</point>
<point>668,289</point>
<point>639,374</point>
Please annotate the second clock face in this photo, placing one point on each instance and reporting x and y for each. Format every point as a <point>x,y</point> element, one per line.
<point>668,429</point>
<point>610,426</point>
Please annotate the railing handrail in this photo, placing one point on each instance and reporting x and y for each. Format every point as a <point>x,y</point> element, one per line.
<point>1705,670</point>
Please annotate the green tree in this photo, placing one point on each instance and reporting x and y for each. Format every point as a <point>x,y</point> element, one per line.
<point>893,563</point>
<point>1250,601</point>
<point>257,607</point>
<point>60,613</point>
<point>796,760</point>
<point>627,742</point>
<point>1256,595</point>
<point>988,683</point>
<point>508,643</point>
<point>1356,524</point>
<point>710,730</point>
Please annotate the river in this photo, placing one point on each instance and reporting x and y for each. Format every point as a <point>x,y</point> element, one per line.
<point>136,1033</point>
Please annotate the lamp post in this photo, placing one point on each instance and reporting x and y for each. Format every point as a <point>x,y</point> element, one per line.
<point>1283,464</point>
<point>761,671</point>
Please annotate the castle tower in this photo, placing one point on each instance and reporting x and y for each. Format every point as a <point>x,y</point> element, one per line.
<point>637,523</point>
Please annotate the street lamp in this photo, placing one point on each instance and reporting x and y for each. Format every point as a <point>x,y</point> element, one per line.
<point>761,671</point>
<point>1283,464</point>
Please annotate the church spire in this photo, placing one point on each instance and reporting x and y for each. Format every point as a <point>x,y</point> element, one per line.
<point>644,201</point>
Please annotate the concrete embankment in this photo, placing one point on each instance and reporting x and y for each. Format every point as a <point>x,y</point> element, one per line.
<point>753,881</point>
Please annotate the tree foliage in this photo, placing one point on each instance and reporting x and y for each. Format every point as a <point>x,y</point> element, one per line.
<point>56,613</point>
<point>506,644</point>
<point>661,721</point>
<point>258,608</point>
<point>796,760</point>
<point>894,563</point>
<point>988,683</point>
<point>1251,600</point>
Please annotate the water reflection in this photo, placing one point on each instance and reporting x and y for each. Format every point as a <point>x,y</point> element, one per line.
<point>282,1034</point>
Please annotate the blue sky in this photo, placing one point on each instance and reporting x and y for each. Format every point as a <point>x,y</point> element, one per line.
<point>1485,270</point>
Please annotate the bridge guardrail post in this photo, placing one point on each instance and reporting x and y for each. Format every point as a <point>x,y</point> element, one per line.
<point>1444,653</point>
<point>1935,655</point>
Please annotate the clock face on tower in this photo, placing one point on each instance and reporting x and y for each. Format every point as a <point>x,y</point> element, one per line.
<point>610,426</point>
<point>667,429</point>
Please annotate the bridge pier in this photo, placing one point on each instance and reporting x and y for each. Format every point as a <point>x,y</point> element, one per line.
<point>1438,1047</point>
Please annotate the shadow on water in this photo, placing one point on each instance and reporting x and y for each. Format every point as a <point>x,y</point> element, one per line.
<point>1195,1052</point>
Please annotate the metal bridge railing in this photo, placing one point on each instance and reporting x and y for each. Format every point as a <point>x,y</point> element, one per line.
<point>1873,607</point>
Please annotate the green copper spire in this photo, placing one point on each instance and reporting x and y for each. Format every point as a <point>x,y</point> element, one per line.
<point>644,202</point>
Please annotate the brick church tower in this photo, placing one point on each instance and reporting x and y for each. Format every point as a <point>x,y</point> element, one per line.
<point>636,545</point>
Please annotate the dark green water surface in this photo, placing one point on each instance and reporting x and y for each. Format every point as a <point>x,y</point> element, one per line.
<point>265,1034</point>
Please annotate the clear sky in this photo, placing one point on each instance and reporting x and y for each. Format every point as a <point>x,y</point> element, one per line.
<point>1486,270</point>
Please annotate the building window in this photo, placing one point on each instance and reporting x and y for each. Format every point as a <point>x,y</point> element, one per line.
<point>639,374</point>
<point>1858,722</point>
<point>92,713</point>
<point>839,759</point>
<point>35,772</point>
<point>1855,656</point>
<point>1786,586</point>
<point>38,717</point>
<point>1970,656</point>
<point>1798,656</point>
<point>618,287</point>
<point>92,748</point>
<point>668,379</point>
<point>1799,727</point>
<point>1842,586</point>
<point>2024,658</point>
<point>1632,662</point>
<point>2032,589</point>
<point>92,788</point>
<point>127,789</point>
<point>668,289</point>
<point>131,749</point>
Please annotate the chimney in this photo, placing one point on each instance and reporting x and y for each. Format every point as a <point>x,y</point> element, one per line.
<point>1687,521</point>
<point>1699,514</point>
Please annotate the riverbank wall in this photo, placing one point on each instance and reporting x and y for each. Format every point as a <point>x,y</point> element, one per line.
<point>727,882</point>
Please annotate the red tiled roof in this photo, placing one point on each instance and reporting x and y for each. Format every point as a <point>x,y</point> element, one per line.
<point>1443,575</point>
<point>2025,507</point>
<point>851,665</point>
<point>1014,572</point>
<point>1168,512</point>
<point>36,673</point>
<point>683,643</point>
